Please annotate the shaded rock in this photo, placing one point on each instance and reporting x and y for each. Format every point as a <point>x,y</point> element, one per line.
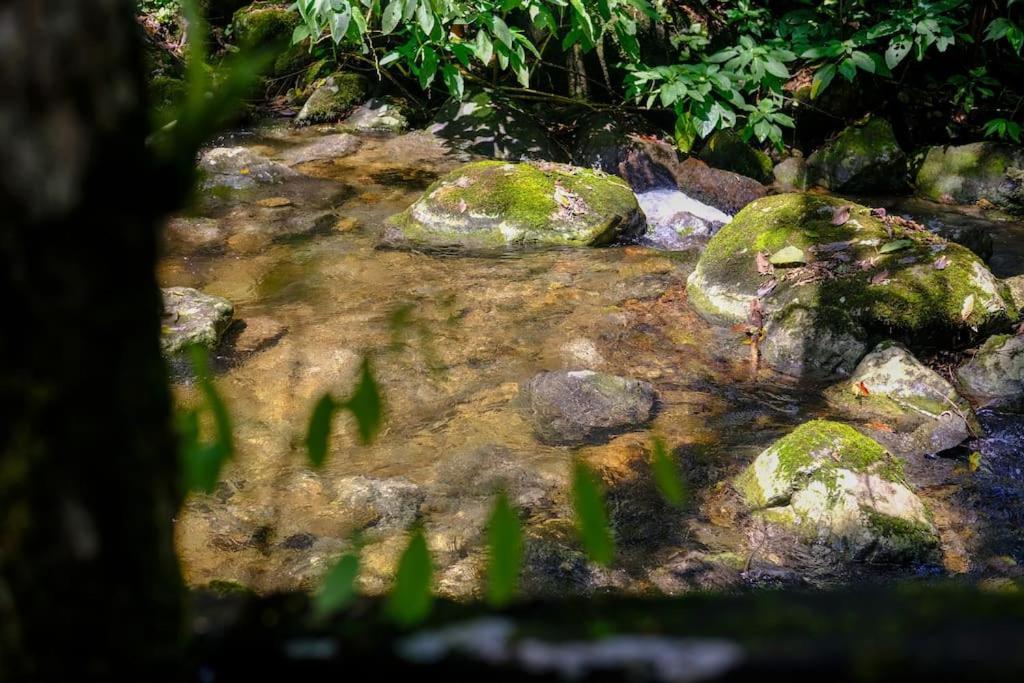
<point>254,334</point>
<point>790,174</point>
<point>801,342</point>
<point>697,571</point>
<point>843,275</point>
<point>966,174</point>
<point>863,158</point>
<point>1015,285</point>
<point>378,115</point>
<point>839,488</point>
<point>239,168</point>
<point>269,25</point>
<point>727,150</point>
<point>892,387</point>
<point>192,317</point>
<point>997,370</point>
<point>729,192</point>
<point>189,235</point>
<point>482,472</point>
<point>615,144</point>
<point>491,204</point>
<point>579,406</point>
<point>490,126</point>
<point>333,146</point>
<point>333,98</point>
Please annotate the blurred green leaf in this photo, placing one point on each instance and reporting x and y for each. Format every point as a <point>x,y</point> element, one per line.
<point>320,429</point>
<point>505,539</point>
<point>339,586</point>
<point>666,474</point>
<point>411,597</point>
<point>202,462</point>
<point>591,517</point>
<point>366,404</point>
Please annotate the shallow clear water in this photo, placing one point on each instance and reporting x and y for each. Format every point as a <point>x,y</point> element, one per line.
<point>474,327</point>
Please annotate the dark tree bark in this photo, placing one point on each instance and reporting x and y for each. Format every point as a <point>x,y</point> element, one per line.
<point>88,483</point>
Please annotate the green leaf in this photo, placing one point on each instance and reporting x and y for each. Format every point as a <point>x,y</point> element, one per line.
<point>338,588</point>
<point>896,52</point>
<point>591,517</point>
<point>425,17</point>
<point>411,597</point>
<point>484,47</point>
<point>300,33</point>
<point>666,474</point>
<point>584,19</point>
<point>686,132</point>
<point>505,539</point>
<point>391,16</point>
<point>788,256</point>
<point>501,31</point>
<point>863,61</point>
<point>366,404</point>
<point>822,78</point>
<point>776,68</point>
<point>895,245</point>
<point>320,429</point>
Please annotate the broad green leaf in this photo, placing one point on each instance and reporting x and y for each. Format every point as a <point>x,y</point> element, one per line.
<point>484,47</point>
<point>863,61</point>
<point>584,19</point>
<point>666,474</point>
<point>895,245</point>
<point>505,540</point>
<point>776,68</point>
<point>897,51</point>
<point>686,132</point>
<point>338,587</point>
<point>300,33</point>
<point>391,16</point>
<point>591,516</point>
<point>788,256</point>
<point>501,31</point>
<point>822,78</point>
<point>411,597</point>
<point>320,429</point>
<point>366,404</point>
<point>425,17</point>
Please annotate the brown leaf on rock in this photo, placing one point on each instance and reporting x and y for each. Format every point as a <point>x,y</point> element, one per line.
<point>968,307</point>
<point>879,212</point>
<point>841,214</point>
<point>274,202</point>
<point>941,263</point>
<point>880,278</point>
<point>764,266</point>
<point>766,289</point>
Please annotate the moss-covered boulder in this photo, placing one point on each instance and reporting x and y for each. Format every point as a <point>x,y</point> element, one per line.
<point>579,406</point>
<point>727,150</point>
<point>488,125</point>
<point>997,370</point>
<point>966,174</point>
<point>192,317</point>
<point>490,204</point>
<point>1015,285</point>
<point>864,158</point>
<point>334,98</point>
<point>802,341</point>
<point>270,25</point>
<point>836,487</point>
<point>379,115</point>
<point>892,387</point>
<point>859,274</point>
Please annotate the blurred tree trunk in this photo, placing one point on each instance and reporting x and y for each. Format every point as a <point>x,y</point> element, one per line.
<point>89,583</point>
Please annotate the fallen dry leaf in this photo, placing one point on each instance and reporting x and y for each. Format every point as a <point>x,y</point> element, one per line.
<point>941,263</point>
<point>879,426</point>
<point>764,266</point>
<point>968,307</point>
<point>274,202</point>
<point>860,389</point>
<point>841,215</point>
<point>766,289</point>
<point>879,278</point>
<point>878,212</point>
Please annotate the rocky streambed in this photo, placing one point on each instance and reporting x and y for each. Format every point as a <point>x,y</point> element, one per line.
<point>812,368</point>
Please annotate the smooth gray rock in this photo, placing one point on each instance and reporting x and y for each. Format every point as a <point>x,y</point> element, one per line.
<point>192,317</point>
<point>239,168</point>
<point>997,369</point>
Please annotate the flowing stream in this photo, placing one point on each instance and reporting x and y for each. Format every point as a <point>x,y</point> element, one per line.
<point>450,337</point>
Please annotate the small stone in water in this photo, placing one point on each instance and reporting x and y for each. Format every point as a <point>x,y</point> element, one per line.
<point>274,202</point>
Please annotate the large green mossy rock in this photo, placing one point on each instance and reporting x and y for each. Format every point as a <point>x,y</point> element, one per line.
<point>490,204</point>
<point>727,150</point>
<point>863,158</point>
<point>333,98</point>
<point>835,486</point>
<point>860,279</point>
<point>892,387</point>
<point>997,370</point>
<point>270,25</point>
<point>966,174</point>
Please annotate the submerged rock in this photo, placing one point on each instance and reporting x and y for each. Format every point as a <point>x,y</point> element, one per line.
<point>490,126</point>
<point>997,369</point>
<point>864,158</point>
<point>239,168</point>
<point>192,317</point>
<point>490,204</point>
<point>376,507</point>
<point>378,115</point>
<point>836,487</point>
<point>859,277</point>
<point>333,146</point>
<point>966,174</point>
<point>579,406</point>
<point>333,98</point>
<point>727,150</point>
<point>894,388</point>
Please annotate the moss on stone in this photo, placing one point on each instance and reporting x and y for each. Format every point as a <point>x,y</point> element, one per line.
<point>270,25</point>
<point>490,203</point>
<point>908,536</point>
<point>727,150</point>
<point>969,173</point>
<point>914,300</point>
<point>863,158</point>
<point>334,98</point>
